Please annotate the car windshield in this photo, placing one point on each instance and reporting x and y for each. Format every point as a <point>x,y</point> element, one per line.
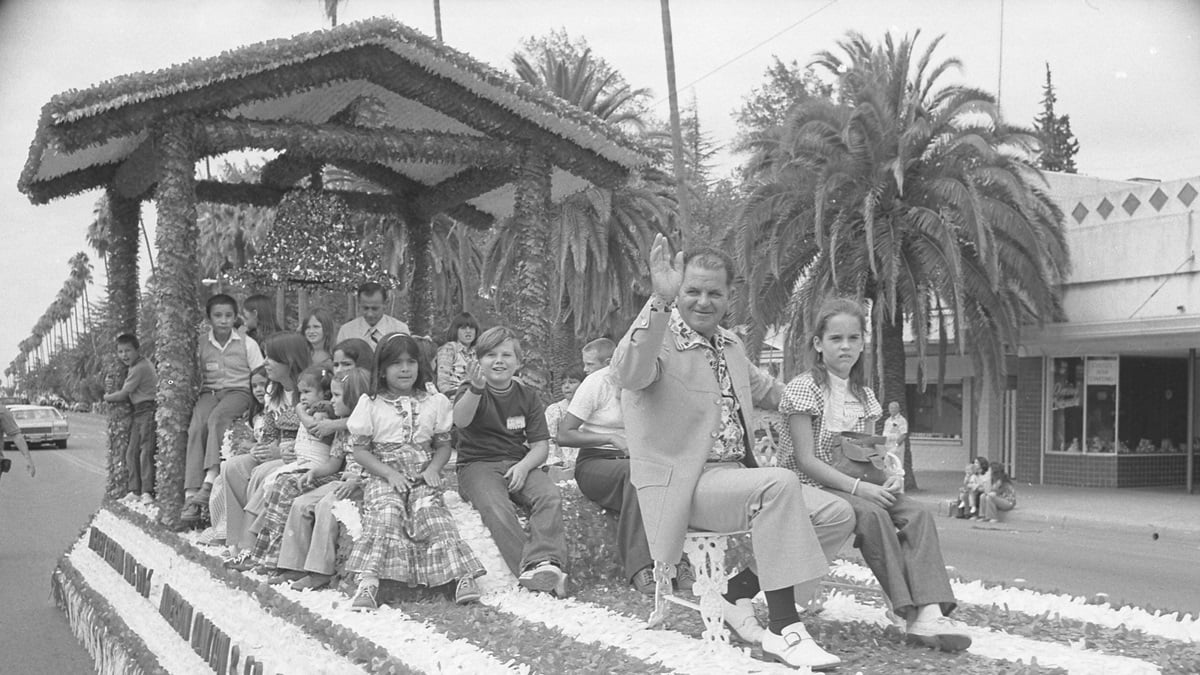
<point>41,414</point>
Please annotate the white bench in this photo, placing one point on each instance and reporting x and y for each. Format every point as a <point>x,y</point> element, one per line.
<point>706,553</point>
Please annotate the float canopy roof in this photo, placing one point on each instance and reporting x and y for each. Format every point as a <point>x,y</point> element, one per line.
<point>414,117</point>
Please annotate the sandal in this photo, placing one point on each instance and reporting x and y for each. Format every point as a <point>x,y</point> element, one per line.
<point>195,506</point>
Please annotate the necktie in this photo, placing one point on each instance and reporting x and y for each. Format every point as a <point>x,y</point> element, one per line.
<point>374,335</point>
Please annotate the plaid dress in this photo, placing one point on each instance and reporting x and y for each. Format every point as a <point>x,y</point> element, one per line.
<point>408,535</point>
<point>278,498</point>
<point>804,396</point>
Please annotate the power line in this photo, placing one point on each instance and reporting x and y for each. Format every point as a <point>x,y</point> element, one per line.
<point>751,49</point>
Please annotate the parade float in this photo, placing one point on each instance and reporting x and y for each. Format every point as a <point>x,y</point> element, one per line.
<point>439,133</point>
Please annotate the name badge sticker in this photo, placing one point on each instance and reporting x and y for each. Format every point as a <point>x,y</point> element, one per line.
<point>211,366</point>
<point>516,423</point>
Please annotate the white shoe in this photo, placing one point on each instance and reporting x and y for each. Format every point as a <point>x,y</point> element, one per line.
<point>796,648</point>
<point>147,499</point>
<point>941,633</point>
<point>740,617</point>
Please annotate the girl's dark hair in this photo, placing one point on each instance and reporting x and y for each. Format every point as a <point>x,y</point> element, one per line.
<point>389,351</point>
<point>329,333</point>
<point>290,349</point>
<point>820,375</point>
<point>983,463</point>
<point>359,351</point>
<point>355,383</point>
<point>463,320</point>
<point>256,406</point>
<point>319,376</point>
<point>574,372</point>
<point>999,475</point>
<point>264,312</point>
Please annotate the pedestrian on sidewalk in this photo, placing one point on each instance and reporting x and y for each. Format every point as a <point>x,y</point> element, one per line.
<point>10,429</point>
<point>898,538</point>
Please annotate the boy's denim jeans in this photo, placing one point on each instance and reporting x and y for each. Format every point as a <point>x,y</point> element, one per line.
<point>483,485</point>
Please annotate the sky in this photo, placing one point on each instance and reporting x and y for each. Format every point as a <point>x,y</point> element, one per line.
<point>1126,71</point>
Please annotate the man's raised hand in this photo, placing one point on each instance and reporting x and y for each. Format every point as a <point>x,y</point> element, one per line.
<point>666,275</point>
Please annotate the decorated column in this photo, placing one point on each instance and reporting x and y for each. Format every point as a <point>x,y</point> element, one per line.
<point>122,311</point>
<point>177,307</point>
<point>421,309</point>
<point>531,318</point>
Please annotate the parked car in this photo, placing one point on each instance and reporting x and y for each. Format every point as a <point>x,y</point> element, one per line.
<point>14,400</point>
<point>41,424</point>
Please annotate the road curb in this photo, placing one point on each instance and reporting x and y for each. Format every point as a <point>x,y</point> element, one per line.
<point>1153,531</point>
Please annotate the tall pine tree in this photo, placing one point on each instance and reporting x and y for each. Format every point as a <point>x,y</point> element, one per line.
<point>1058,143</point>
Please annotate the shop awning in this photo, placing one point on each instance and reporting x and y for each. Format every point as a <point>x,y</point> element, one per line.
<point>1160,336</point>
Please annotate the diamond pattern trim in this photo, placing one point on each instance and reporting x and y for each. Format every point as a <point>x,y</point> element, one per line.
<point>1079,212</point>
<point>1187,194</point>
<point>1158,199</point>
<point>1131,204</point>
<point>1104,208</point>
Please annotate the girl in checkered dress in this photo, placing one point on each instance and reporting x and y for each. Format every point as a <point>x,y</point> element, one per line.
<point>897,537</point>
<point>401,437</point>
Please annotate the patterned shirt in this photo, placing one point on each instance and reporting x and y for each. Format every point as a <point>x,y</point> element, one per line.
<point>804,396</point>
<point>730,445</point>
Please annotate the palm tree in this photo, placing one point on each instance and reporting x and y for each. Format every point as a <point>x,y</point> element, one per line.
<point>598,235</point>
<point>915,197</point>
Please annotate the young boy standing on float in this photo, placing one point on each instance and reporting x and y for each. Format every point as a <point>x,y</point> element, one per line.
<point>226,360</point>
<point>502,442</point>
<point>141,383</point>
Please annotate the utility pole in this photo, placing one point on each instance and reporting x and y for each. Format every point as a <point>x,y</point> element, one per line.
<point>681,188</point>
<point>437,18</point>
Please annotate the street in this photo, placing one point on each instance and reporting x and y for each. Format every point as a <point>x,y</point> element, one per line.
<point>40,518</point>
<point>44,515</point>
<point>1132,568</point>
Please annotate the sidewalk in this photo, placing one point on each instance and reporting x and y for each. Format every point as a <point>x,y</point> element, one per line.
<point>1165,512</point>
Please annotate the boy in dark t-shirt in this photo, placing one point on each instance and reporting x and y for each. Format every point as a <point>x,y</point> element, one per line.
<point>502,441</point>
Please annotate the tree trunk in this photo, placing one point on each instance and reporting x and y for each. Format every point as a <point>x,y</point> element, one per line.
<point>531,315</point>
<point>122,266</point>
<point>892,387</point>
<point>420,319</point>
<point>177,309</point>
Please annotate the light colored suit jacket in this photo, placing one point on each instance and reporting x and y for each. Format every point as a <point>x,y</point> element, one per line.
<point>672,409</point>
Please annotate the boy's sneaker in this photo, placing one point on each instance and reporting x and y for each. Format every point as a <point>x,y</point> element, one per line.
<point>364,598</point>
<point>147,498</point>
<point>466,592</point>
<point>544,577</point>
<point>643,581</point>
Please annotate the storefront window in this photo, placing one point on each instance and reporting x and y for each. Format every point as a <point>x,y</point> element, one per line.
<point>1153,413</point>
<point>1066,403</point>
<point>925,419</point>
<point>1102,380</point>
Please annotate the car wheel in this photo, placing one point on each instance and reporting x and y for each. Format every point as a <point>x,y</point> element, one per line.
<point>62,445</point>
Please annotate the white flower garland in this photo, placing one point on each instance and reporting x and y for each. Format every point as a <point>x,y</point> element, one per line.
<point>282,645</point>
<point>997,645</point>
<point>1170,626</point>
<point>345,511</point>
<point>172,652</point>
<point>587,622</point>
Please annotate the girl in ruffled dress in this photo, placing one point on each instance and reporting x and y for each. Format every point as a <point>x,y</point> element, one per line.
<point>401,437</point>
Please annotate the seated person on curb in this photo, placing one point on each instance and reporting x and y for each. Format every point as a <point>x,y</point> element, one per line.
<point>688,388</point>
<point>141,385</point>
<point>1001,495</point>
<point>226,361</point>
<point>897,537</point>
<point>502,443</point>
